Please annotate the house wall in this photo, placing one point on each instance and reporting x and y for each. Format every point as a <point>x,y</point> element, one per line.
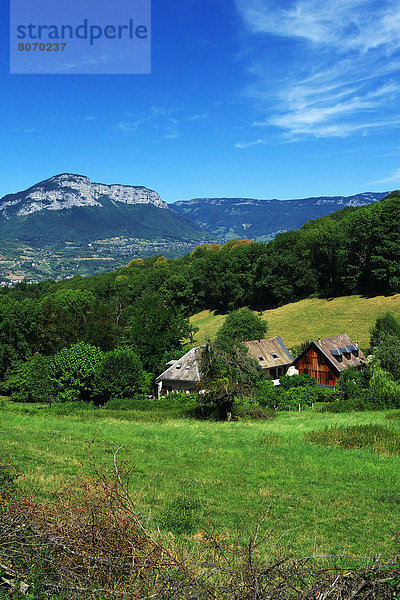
<point>316,365</point>
<point>275,372</point>
<point>179,386</point>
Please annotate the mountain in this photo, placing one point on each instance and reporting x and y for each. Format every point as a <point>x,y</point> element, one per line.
<point>68,225</point>
<point>70,207</point>
<point>261,220</point>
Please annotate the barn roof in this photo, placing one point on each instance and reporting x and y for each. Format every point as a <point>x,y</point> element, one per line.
<point>339,350</point>
<point>183,369</point>
<point>269,352</point>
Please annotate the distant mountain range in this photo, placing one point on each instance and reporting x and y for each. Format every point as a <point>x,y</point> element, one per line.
<point>261,220</point>
<point>69,225</point>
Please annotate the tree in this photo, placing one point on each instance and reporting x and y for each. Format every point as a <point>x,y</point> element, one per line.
<point>239,326</point>
<point>225,378</point>
<point>383,392</point>
<point>388,355</point>
<point>385,325</point>
<point>74,371</point>
<point>33,380</point>
<point>154,328</point>
<point>120,374</point>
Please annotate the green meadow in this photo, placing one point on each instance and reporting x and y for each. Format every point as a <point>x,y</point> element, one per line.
<point>322,499</point>
<point>312,318</point>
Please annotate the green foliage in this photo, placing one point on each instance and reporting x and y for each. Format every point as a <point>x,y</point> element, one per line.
<point>297,380</point>
<point>226,377</point>
<point>377,438</point>
<point>385,325</point>
<point>388,355</point>
<point>155,328</point>
<point>383,392</point>
<point>119,375</point>
<point>33,380</point>
<point>74,371</point>
<point>293,391</point>
<point>252,411</point>
<point>181,515</point>
<point>369,389</point>
<point>353,383</point>
<point>239,326</point>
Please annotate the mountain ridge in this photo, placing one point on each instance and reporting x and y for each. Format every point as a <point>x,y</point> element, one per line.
<point>262,219</point>
<point>65,190</point>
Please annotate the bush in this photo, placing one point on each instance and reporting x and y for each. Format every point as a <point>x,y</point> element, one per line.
<point>394,416</point>
<point>301,380</point>
<point>255,413</point>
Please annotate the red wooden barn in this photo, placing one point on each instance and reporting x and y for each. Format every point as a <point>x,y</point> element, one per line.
<point>325,359</point>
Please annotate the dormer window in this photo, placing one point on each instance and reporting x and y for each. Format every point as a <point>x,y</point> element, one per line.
<point>274,355</point>
<point>260,358</point>
<point>179,366</point>
<point>337,353</point>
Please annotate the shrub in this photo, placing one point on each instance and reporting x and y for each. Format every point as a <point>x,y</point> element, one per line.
<point>255,412</point>
<point>301,380</point>
<point>388,355</point>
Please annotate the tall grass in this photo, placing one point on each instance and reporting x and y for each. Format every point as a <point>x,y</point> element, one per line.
<point>323,500</point>
<point>377,438</point>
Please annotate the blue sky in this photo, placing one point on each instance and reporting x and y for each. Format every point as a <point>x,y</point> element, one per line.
<point>247,98</point>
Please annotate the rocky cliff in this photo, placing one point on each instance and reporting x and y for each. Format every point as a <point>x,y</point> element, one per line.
<point>66,191</point>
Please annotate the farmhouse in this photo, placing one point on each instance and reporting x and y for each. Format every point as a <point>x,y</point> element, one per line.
<point>180,375</point>
<point>272,356</point>
<point>325,359</point>
<point>184,374</point>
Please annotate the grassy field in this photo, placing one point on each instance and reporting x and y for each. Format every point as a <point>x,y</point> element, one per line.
<point>313,318</point>
<point>324,499</point>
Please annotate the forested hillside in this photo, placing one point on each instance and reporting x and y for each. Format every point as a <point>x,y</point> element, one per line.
<point>145,306</point>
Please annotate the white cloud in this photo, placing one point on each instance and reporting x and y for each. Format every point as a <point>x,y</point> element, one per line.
<point>340,65</point>
<point>390,179</point>
<point>165,122</point>
<point>243,145</point>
